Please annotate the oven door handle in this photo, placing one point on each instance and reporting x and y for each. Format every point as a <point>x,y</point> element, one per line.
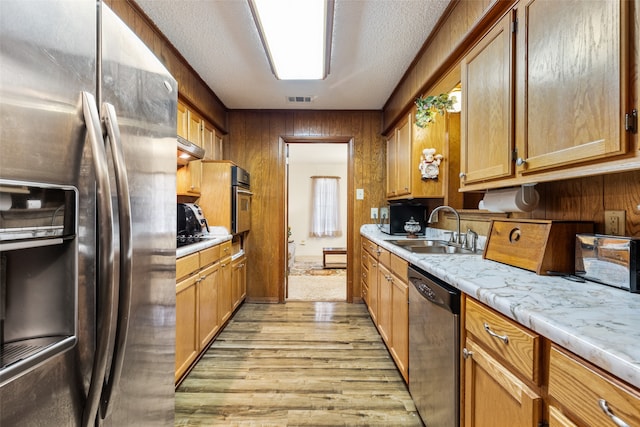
<point>243,191</point>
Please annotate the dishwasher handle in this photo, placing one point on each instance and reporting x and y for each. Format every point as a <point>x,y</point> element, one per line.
<point>435,291</point>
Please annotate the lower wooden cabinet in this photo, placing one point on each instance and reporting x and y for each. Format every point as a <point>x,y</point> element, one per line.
<point>239,280</point>
<point>501,370</point>
<point>225,303</point>
<point>207,304</point>
<point>588,396</point>
<point>400,324</point>
<point>509,380</point>
<point>493,395</point>
<point>206,297</point>
<point>386,293</point>
<point>187,347</point>
<point>384,303</point>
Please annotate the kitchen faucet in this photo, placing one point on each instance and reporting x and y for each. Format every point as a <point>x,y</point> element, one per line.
<point>432,219</point>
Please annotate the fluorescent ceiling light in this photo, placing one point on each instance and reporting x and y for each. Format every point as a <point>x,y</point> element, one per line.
<point>296,35</point>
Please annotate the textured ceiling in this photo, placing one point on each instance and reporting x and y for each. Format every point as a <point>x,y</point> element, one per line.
<point>374,42</point>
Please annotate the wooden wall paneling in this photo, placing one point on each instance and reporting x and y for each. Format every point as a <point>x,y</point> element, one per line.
<point>622,192</point>
<point>259,134</point>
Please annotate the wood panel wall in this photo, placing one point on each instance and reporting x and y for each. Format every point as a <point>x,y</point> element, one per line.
<point>256,142</point>
<point>192,88</point>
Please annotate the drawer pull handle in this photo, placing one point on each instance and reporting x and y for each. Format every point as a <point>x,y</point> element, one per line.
<point>605,408</point>
<point>467,353</point>
<point>504,338</point>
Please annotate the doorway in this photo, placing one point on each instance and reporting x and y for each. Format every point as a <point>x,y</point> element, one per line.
<point>315,273</point>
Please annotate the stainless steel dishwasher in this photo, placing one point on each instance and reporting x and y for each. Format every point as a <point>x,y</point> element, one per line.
<point>434,337</point>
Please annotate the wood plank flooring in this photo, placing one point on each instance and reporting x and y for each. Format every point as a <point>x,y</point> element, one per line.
<point>296,364</point>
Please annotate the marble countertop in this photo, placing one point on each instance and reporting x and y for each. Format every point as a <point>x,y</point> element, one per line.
<point>598,323</point>
<point>206,242</point>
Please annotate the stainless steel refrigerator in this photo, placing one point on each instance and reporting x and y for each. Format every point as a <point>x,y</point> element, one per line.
<point>87,220</point>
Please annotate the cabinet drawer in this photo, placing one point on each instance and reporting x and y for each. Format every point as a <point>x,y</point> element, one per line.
<point>187,265</point>
<point>384,257</point>
<point>209,255</point>
<point>225,249</point>
<point>518,346</point>
<point>400,267</point>
<point>580,388</point>
<point>370,247</point>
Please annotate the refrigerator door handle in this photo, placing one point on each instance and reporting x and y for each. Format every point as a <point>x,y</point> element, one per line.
<point>110,119</point>
<point>105,287</point>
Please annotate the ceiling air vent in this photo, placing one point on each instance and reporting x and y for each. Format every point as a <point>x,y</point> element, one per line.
<point>300,99</point>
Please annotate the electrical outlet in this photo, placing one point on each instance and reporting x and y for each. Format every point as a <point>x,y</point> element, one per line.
<point>384,213</point>
<point>614,223</point>
<point>374,213</point>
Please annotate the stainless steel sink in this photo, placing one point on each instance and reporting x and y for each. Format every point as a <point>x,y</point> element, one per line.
<point>426,246</point>
<point>439,250</point>
<point>419,243</point>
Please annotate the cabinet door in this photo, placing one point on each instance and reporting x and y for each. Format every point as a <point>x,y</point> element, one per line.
<point>208,141</point>
<point>571,74</point>
<point>239,280</point>
<point>207,304</point>
<point>400,325</point>
<point>194,130</point>
<point>487,94</point>
<point>373,288</point>
<point>392,162</point>
<point>183,124</point>
<point>225,294</point>
<point>189,179</point>
<point>404,168</point>
<point>384,302</point>
<point>558,419</point>
<point>493,396</point>
<point>186,325</point>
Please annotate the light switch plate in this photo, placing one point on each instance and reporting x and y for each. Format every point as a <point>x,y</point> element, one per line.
<point>359,193</point>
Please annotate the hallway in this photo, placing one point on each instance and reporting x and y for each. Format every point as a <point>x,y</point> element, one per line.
<point>299,363</point>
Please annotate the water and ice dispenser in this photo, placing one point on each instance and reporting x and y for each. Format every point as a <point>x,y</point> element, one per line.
<point>38,274</point>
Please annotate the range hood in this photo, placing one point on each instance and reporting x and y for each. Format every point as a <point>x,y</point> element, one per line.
<point>188,151</point>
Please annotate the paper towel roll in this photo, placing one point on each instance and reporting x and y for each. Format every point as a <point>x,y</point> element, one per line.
<point>521,199</point>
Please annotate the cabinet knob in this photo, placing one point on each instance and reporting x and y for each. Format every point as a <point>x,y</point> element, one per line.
<point>520,161</point>
<point>462,175</point>
<point>466,353</point>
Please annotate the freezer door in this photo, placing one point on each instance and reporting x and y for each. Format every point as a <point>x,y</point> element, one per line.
<point>143,96</point>
<point>47,58</point>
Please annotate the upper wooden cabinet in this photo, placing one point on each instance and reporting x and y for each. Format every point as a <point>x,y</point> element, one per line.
<point>195,126</point>
<point>570,73</point>
<point>487,111</point>
<point>399,159</point>
<point>182,126</point>
<point>544,93</point>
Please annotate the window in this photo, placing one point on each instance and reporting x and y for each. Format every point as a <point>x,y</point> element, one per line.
<point>325,212</point>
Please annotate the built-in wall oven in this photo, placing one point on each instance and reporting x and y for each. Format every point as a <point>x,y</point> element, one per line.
<point>240,200</point>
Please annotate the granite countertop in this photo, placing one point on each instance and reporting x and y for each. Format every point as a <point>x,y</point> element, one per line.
<point>206,242</point>
<point>598,323</point>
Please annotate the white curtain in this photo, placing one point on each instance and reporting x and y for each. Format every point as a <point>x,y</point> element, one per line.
<point>325,211</point>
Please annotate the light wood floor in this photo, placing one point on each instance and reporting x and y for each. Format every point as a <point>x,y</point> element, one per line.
<point>299,363</point>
